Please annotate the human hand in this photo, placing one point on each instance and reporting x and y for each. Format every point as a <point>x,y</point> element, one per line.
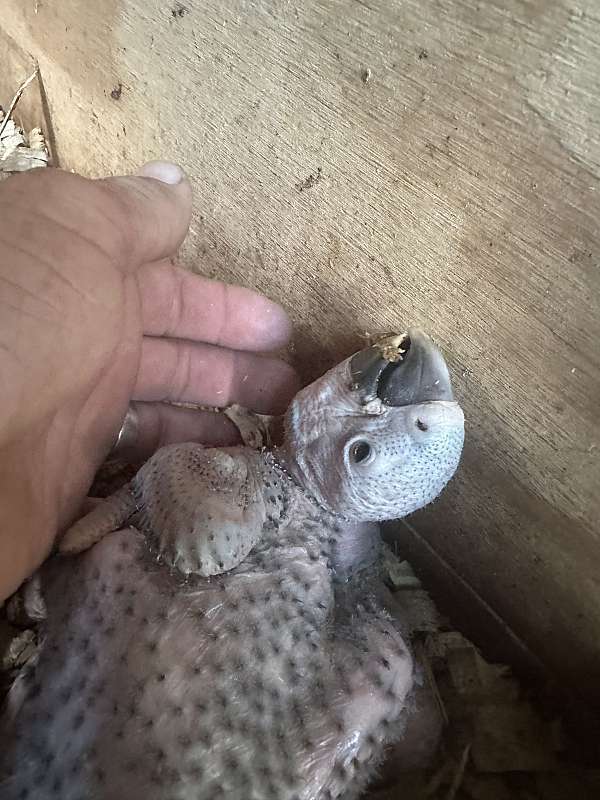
<point>93,314</point>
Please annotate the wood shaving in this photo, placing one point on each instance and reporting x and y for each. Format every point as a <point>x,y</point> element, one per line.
<point>20,151</point>
<point>391,348</point>
<point>498,740</point>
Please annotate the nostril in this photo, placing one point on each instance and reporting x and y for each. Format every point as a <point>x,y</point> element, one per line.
<point>422,426</point>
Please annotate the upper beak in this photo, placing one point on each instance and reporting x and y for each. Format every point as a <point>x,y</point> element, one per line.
<point>401,370</point>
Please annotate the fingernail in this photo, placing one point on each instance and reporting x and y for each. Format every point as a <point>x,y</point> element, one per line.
<point>162,171</point>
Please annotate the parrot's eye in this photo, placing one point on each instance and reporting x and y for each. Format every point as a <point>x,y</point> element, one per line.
<point>361,452</point>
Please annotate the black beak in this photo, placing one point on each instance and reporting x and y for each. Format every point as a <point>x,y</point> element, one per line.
<point>401,370</point>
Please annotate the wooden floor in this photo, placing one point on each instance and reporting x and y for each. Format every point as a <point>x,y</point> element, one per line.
<point>379,163</point>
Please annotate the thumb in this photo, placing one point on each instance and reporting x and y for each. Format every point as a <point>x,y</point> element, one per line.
<point>150,213</point>
<point>129,220</point>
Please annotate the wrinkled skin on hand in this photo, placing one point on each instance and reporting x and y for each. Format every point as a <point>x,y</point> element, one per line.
<point>233,642</point>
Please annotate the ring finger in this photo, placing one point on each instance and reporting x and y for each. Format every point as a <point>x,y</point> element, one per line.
<point>154,425</point>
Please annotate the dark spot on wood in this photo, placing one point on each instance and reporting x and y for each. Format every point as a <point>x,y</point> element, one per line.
<point>310,181</point>
<point>179,11</point>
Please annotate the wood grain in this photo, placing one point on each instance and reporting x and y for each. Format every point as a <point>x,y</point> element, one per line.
<point>455,151</point>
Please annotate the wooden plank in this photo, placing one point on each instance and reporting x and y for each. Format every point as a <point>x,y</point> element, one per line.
<point>456,151</point>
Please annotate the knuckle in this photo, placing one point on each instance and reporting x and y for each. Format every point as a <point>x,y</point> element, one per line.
<point>116,211</point>
<point>232,369</point>
<point>177,293</point>
<point>182,373</point>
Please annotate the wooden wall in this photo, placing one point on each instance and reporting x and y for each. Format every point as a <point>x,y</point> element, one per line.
<point>454,149</point>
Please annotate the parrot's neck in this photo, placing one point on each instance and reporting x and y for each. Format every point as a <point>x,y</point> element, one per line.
<point>351,546</point>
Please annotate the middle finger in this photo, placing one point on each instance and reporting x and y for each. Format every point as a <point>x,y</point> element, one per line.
<point>174,370</point>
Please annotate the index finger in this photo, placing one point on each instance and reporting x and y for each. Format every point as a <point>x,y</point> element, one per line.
<point>179,304</point>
